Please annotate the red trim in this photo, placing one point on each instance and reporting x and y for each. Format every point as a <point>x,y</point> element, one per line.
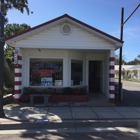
<point>16,100</point>
<point>111,91</point>
<point>17,82</point>
<point>111,100</point>
<point>18,74</point>
<point>19,57</point>
<point>111,83</point>
<point>59,18</point>
<point>17,91</point>
<point>111,75</point>
<point>18,66</point>
<point>111,67</point>
<point>111,59</point>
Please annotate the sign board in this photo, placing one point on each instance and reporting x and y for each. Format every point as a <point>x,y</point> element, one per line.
<point>16,57</point>
<point>46,72</point>
<point>46,81</point>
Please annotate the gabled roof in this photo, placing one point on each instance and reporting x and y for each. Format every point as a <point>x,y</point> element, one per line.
<point>61,18</point>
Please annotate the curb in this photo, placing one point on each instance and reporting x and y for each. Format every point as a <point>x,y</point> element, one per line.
<point>44,124</point>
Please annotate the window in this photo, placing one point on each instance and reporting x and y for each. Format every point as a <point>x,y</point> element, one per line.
<point>46,72</point>
<point>76,72</point>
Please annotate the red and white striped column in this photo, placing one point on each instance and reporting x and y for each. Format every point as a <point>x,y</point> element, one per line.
<point>111,77</point>
<point>18,79</point>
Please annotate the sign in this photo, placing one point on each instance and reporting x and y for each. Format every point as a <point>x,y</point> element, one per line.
<point>45,72</point>
<point>48,64</point>
<point>16,57</point>
<point>46,81</point>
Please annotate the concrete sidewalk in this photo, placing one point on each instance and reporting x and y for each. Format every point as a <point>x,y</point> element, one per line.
<point>18,117</point>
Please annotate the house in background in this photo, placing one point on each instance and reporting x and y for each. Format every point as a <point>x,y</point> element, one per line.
<point>64,52</point>
<point>129,72</point>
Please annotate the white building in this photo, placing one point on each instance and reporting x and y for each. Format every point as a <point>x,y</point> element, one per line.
<point>128,72</point>
<point>64,52</point>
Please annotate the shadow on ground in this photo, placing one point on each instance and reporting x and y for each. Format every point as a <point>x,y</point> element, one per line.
<point>130,98</point>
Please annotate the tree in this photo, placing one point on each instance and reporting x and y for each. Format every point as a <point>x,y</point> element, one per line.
<point>117,59</point>
<point>11,29</point>
<point>138,57</point>
<point>134,62</point>
<point>16,4</point>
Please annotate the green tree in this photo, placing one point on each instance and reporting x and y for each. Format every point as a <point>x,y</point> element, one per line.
<point>134,62</point>
<point>117,59</point>
<point>20,5</point>
<point>9,30</point>
<point>138,57</point>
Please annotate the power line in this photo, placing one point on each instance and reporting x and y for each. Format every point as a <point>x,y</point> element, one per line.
<point>132,5</point>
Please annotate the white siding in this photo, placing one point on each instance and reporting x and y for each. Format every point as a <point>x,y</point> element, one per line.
<point>53,38</point>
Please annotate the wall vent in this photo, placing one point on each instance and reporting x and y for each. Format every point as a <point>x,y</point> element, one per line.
<point>66,29</point>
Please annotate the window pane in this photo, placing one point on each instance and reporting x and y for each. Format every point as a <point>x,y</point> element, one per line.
<point>76,72</point>
<point>46,72</point>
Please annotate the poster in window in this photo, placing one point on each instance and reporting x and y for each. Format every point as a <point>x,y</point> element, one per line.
<point>46,81</point>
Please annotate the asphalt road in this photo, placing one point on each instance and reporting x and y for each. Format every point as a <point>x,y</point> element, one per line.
<point>131,94</point>
<point>72,136</point>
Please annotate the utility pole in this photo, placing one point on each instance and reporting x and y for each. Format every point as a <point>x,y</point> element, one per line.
<point>121,38</point>
<point>120,60</point>
<point>2,42</point>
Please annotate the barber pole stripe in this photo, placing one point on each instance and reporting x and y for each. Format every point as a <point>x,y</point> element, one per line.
<point>111,80</point>
<point>18,83</point>
<point>16,100</point>
<point>18,78</point>
<point>17,91</point>
<point>19,57</point>
<point>19,66</point>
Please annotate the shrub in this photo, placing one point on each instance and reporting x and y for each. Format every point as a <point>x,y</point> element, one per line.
<point>67,91</point>
<point>82,91</point>
<point>29,90</point>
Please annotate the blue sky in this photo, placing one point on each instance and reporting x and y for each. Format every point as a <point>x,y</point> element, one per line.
<point>104,15</point>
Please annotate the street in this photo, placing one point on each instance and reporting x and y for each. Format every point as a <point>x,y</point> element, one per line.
<point>71,136</point>
<point>131,94</point>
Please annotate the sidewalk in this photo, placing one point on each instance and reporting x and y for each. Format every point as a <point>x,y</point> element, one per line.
<point>37,116</point>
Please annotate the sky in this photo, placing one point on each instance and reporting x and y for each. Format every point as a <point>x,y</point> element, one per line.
<point>104,15</point>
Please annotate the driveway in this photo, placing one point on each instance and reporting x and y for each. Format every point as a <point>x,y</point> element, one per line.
<point>131,94</point>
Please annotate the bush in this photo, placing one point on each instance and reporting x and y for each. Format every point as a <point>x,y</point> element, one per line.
<point>29,90</point>
<point>67,91</point>
<point>83,91</point>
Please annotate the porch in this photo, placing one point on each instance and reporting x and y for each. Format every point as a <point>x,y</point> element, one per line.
<point>95,99</point>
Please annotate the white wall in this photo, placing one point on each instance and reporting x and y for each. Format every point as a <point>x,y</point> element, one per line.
<point>53,38</point>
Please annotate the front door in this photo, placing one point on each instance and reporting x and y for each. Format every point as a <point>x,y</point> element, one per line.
<point>95,76</point>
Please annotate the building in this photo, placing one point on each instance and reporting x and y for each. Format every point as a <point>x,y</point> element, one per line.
<point>129,72</point>
<point>64,52</point>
